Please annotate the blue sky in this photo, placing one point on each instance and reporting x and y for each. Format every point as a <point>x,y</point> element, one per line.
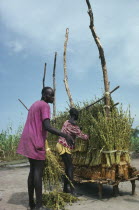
<point>31,31</point>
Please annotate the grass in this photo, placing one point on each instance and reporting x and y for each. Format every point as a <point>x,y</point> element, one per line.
<point>9,143</point>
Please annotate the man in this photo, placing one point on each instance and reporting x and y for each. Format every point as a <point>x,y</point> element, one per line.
<point>32,144</point>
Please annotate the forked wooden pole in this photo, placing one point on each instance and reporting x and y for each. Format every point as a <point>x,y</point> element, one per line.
<point>102,58</point>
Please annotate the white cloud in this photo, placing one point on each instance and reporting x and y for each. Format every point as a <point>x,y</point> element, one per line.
<point>15,46</point>
<point>42,24</point>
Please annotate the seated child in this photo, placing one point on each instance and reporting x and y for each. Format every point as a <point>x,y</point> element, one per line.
<point>71,128</point>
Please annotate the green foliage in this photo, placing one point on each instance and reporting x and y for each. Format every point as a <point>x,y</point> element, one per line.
<point>135,144</point>
<point>105,134</point>
<point>135,140</point>
<point>9,143</point>
<point>58,200</point>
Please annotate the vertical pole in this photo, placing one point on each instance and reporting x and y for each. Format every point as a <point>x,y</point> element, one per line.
<point>43,81</point>
<point>65,69</point>
<point>54,86</point>
<point>115,190</point>
<point>133,187</point>
<point>100,190</point>
<point>102,58</point>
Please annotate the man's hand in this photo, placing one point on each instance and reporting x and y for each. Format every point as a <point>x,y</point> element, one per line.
<point>69,140</point>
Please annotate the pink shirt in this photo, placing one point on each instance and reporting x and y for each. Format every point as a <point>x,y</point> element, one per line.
<point>32,142</point>
<point>72,130</point>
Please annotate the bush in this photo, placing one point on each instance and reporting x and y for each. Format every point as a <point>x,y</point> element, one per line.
<point>9,143</point>
<point>135,144</point>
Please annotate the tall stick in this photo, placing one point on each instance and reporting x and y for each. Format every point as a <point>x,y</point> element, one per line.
<point>23,104</point>
<point>100,100</point>
<point>102,57</point>
<point>54,86</point>
<point>44,75</point>
<point>65,70</point>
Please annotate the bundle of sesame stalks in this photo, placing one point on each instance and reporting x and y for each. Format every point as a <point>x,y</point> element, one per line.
<point>53,172</point>
<point>52,180</point>
<point>58,200</point>
<point>106,154</point>
<point>109,138</point>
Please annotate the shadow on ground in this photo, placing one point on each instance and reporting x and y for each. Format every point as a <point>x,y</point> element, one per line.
<point>20,198</point>
<point>132,200</point>
<point>91,190</point>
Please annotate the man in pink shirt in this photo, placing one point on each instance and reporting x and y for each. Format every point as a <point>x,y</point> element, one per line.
<point>32,144</point>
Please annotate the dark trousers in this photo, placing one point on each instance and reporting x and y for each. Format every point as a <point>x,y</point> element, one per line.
<point>35,182</point>
<point>69,172</point>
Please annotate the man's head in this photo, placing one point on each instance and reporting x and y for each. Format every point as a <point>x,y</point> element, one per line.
<point>48,94</point>
<point>74,113</point>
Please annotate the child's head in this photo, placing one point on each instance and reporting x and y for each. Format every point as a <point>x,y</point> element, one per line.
<point>74,113</point>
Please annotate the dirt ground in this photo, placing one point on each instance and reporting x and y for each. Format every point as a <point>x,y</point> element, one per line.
<point>13,193</point>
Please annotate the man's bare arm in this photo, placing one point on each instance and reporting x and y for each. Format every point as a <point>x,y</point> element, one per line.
<point>53,130</point>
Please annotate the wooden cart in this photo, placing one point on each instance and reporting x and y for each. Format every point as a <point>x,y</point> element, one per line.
<point>97,176</point>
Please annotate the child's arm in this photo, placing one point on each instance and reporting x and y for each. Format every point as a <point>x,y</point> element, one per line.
<point>74,129</point>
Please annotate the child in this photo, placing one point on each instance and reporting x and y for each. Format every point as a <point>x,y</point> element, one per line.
<point>64,150</point>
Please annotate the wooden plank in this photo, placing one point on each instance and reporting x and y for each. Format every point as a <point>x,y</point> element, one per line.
<point>132,179</point>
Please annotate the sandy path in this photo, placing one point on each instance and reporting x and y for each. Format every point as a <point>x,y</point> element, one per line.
<point>13,193</point>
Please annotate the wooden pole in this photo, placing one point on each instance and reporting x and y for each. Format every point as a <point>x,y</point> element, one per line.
<point>100,186</point>
<point>133,186</point>
<point>102,58</point>
<point>114,105</point>
<point>23,104</point>
<point>65,69</point>
<point>43,81</point>
<point>54,86</point>
<point>100,99</point>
